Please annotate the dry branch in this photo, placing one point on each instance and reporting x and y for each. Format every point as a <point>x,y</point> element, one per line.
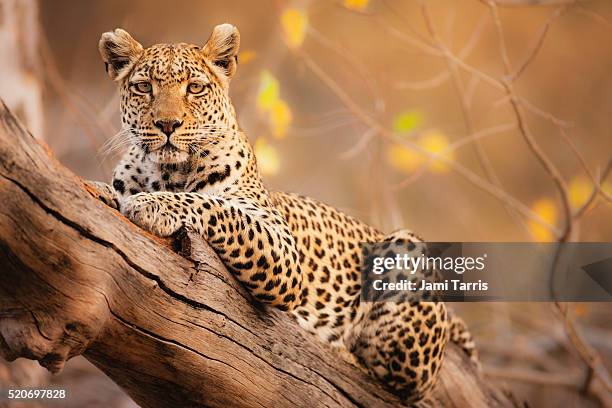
<point>78,278</point>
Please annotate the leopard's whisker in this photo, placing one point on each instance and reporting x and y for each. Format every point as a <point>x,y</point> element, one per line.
<point>121,139</point>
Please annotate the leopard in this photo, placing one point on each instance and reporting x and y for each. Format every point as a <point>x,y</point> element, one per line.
<point>188,164</point>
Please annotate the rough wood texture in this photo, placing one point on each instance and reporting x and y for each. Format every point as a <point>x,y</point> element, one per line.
<point>78,278</point>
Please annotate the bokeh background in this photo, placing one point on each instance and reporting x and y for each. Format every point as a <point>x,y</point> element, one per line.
<point>402,113</point>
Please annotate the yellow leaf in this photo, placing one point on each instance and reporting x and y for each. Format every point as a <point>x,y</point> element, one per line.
<point>268,92</point>
<point>295,23</point>
<point>268,160</point>
<point>269,101</point>
<point>280,119</point>
<point>407,121</point>
<point>408,160</point>
<point>547,210</point>
<point>404,159</point>
<point>579,191</point>
<point>435,141</point>
<point>358,5</point>
<point>246,56</point>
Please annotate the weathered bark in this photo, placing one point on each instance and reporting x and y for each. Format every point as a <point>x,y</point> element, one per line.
<point>78,278</point>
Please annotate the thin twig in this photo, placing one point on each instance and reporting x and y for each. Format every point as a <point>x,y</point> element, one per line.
<point>597,187</point>
<point>537,46</point>
<point>445,75</point>
<point>371,122</point>
<point>493,130</point>
<point>524,130</point>
<point>587,353</point>
<point>593,16</point>
<point>481,154</point>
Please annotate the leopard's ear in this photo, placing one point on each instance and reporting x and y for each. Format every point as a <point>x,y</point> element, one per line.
<point>119,52</point>
<point>222,48</point>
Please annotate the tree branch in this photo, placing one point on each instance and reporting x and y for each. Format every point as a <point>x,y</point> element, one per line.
<point>78,278</point>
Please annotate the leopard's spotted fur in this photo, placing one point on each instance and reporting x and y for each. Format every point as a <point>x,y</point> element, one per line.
<point>188,163</point>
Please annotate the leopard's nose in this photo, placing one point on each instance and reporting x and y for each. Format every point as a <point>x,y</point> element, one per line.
<point>168,126</point>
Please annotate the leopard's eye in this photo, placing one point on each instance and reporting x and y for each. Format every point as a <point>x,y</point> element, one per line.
<point>196,88</point>
<point>142,87</point>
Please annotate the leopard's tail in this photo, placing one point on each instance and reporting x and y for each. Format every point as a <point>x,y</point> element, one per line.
<point>460,335</point>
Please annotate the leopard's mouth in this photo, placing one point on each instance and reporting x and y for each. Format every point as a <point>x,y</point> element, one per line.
<point>169,154</point>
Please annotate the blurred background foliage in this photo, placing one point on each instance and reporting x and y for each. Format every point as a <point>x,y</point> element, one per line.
<point>403,114</point>
<point>380,56</point>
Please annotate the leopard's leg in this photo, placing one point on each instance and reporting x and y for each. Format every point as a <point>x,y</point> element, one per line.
<point>460,334</point>
<point>254,243</point>
<point>402,343</point>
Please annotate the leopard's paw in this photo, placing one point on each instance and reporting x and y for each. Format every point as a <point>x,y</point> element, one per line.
<point>103,192</point>
<point>151,213</point>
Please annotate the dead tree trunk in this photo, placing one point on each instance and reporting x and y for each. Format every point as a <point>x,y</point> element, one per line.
<point>78,278</point>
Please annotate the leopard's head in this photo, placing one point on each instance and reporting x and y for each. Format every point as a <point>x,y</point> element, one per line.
<point>174,97</point>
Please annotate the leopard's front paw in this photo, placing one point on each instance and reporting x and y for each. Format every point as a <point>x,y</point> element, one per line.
<point>103,192</point>
<point>151,213</point>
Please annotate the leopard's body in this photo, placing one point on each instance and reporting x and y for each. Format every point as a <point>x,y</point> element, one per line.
<point>189,164</point>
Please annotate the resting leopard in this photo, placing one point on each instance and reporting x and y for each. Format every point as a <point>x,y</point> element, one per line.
<point>189,164</point>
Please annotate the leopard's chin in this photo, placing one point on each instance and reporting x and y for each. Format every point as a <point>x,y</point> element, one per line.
<point>169,155</point>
